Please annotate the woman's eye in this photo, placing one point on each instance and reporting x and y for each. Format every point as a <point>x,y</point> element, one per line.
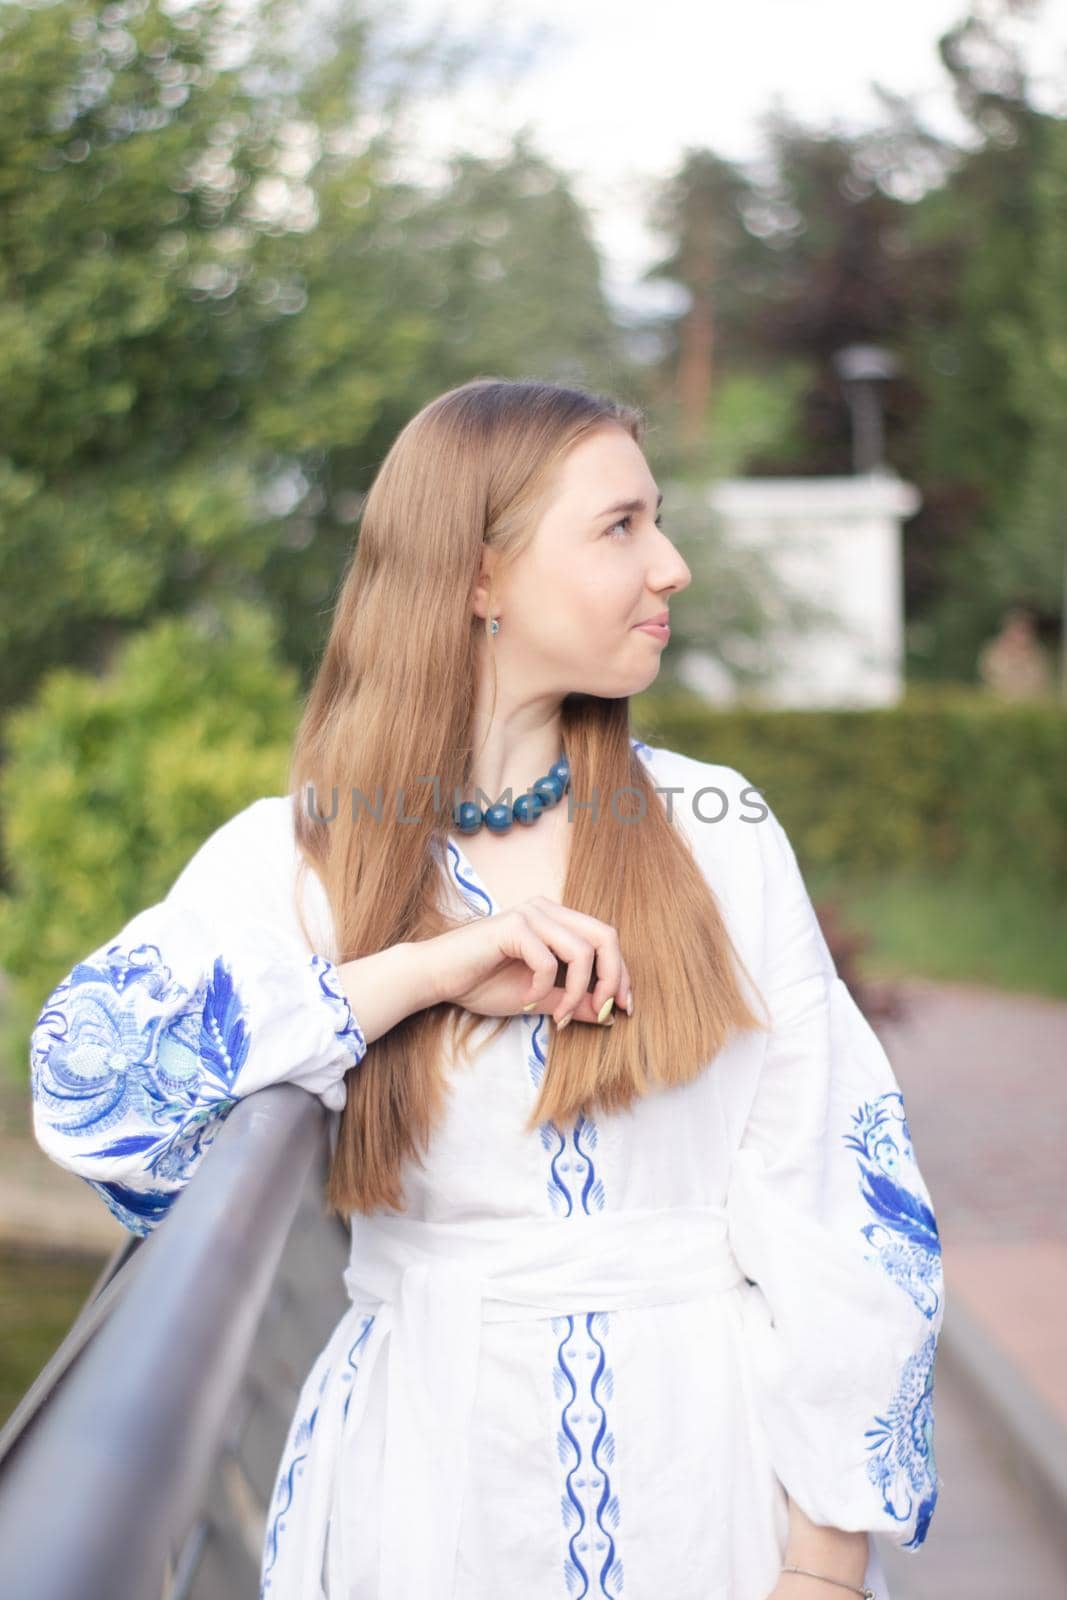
<point>625,523</point>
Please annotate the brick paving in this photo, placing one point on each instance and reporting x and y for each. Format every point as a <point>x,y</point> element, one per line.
<point>984,1075</point>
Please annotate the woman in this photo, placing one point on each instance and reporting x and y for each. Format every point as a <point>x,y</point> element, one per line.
<point>645,1305</point>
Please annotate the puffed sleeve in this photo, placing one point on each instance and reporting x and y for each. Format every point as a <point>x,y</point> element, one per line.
<point>832,1222</point>
<point>145,1047</point>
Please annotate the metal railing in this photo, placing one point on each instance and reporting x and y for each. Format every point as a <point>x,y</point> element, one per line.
<point>140,1462</point>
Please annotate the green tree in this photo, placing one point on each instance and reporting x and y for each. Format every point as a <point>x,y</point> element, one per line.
<point>975,425</point>
<point>950,257</point>
<point>219,303</point>
<point>515,273</point>
<point>493,271</point>
<point>147,279</point>
<point>1027,562</point>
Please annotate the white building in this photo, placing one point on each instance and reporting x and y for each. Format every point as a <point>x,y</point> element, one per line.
<point>835,543</point>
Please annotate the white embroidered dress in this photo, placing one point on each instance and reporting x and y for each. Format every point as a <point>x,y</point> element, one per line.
<point>582,1363</point>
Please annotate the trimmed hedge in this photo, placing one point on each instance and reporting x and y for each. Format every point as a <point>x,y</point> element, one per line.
<point>948,779</point>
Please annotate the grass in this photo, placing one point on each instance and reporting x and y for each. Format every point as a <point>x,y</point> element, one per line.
<point>1001,934</point>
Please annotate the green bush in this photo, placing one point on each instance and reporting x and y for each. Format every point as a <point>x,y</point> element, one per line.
<point>112,782</point>
<point>948,780</point>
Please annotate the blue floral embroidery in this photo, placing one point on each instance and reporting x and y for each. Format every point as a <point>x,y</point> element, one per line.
<point>903,1467</point>
<point>121,1039</point>
<point>904,1239</point>
<point>349,1031</point>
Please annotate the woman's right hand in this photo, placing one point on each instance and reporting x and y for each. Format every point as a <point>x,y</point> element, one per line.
<point>495,965</point>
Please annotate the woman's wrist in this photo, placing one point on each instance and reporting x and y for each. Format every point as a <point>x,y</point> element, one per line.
<point>842,1566</point>
<point>387,986</point>
<point>813,1584</point>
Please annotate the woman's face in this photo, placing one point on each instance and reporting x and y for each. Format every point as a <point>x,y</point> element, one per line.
<point>570,606</point>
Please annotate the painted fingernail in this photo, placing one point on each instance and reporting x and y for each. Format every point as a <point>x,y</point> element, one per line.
<point>629,1003</point>
<point>530,1005</point>
<point>563,1023</point>
<point>605,1010</point>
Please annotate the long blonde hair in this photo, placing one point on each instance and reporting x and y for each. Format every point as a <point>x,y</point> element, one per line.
<point>392,703</point>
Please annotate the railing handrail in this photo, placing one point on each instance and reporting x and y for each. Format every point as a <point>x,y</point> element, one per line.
<point>98,1491</point>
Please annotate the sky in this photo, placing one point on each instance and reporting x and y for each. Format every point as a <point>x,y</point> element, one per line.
<point>613,94</point>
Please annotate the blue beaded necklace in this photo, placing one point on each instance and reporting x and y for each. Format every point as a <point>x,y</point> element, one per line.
<point>547,791</point>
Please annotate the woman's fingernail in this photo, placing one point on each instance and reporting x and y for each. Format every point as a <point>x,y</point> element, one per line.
<point>629,1003</point>
<point>564,1021</point>
<point>530,1005</point>
<point>605,1010</point>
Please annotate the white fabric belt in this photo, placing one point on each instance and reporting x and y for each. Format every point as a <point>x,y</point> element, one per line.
<point>431,1285</point>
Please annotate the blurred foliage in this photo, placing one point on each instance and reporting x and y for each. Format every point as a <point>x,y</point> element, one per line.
<point>219,302</point>
<point>966,348</point>
<point>755,415</point>
<point>951,257</point>
<point>752,416</point>
<point>948,779</point>
<point>134,327</point>
<point>111,783</point>
<point>218,306</point>
<point>511,266</point>
<point>1029,561</point>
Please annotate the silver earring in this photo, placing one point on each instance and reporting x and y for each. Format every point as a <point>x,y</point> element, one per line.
<point>494,625</point>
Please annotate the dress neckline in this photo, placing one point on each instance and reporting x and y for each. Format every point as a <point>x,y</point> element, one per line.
<point>467,880</point>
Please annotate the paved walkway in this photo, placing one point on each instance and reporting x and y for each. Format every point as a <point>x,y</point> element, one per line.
<point>984,1077</point>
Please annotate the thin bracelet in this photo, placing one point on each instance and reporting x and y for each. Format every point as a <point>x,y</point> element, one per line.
<point>868,1594</point>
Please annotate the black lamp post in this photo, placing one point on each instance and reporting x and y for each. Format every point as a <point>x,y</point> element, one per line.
<point>861,368</point>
